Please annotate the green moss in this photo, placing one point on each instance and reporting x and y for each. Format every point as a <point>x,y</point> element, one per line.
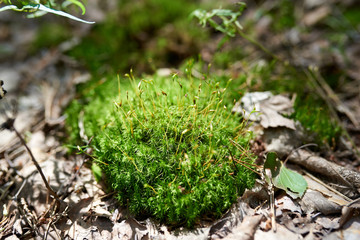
<point>283,15</point>
<point>314,117</point>
<point>352,15</point>
<point>50,35</point>
<point>165,146</point>
<point>134,37</point>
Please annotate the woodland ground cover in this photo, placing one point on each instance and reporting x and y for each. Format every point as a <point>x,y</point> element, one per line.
<point>307,52</point>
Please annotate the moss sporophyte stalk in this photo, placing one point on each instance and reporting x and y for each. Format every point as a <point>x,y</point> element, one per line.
<point>169,147</point>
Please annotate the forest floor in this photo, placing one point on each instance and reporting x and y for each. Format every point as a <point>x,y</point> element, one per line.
<point>43,82</point>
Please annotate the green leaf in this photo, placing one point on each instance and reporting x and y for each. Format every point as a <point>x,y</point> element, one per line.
<point>40,7</point>
<point>96,170</point>
<point>228,23</point>
<point>283,178</point>
<point>75,2</point>
<point>271,162</point>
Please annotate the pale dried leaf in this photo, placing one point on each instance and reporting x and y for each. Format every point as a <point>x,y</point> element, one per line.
<point>330,195</point>
<point>249,105</point>
<point>314,201</point>
<point>230,220</point>
<point>328,223</point>
<point>246,230</point>
<point>282,233</point>
<point>271,110</point>
<point>351,231</point>
<point>286,203</point>
<point>122,230</point>
<point>266,108</point>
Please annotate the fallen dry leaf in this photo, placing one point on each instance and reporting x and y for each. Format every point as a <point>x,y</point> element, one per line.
<point>351,231</point>
<point>271,110</point>
<point>286,203</point>
<point>246,230</point>
<point>314,201</point>
<point>282,233</point>
<point>330,195</point>
<point>266,108</point>
<point>230,220</point>
<point>328,223</point>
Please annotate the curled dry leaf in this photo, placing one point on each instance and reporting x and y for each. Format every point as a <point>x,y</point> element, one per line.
<point>231,220</point>
<point>246,230</point>
<point>348,211</point>
<point>271,110</point>
<point>266,108</point>
<point>285,203</point>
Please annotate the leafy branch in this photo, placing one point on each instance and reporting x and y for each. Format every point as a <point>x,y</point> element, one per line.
<point>37,9</point>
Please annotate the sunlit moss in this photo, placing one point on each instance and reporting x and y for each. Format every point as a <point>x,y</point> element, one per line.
<point>168,146</point>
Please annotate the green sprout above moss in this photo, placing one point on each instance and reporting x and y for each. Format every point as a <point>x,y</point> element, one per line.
<point>168,147</point>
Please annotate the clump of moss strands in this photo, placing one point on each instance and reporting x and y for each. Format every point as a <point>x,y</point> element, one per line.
<point>169,147</point>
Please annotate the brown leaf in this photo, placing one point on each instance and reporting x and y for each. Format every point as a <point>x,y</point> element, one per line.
<point>314,201</point>
<point>271,110</point>
<point>266,108</point>
<point>246,230</point>
<point>75,212</point>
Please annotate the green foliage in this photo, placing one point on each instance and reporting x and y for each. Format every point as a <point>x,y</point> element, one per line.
<point>314,117</point>
<point>229,23</point>
<point>39,8</point>
<point>169,147</point>
<point>283,15</point>
<point>279,78</point>
<point>352,15</point>
<point>142,35</point>
<point>283,178</point>
<point>96,170</point>
<point>59,33</point>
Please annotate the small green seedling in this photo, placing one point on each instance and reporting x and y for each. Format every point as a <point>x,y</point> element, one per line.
<point>283,178</point>
<point>229,19</point>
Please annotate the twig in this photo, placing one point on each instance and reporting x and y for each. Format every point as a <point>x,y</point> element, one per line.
<point>9,125</point>
<point>15,197</point>
<point>272,208</point>
<point>326,185</point>
<point>52,192</point>
<point>3,194</point>
<point>301,147</point>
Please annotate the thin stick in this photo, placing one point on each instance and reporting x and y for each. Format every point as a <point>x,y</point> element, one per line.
<point>301,147</point>
<point>52,192</point>
<point>272,208</point>
<point>325,185</point>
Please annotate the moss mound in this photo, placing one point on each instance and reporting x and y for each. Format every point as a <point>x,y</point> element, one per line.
<point>170,148</point>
